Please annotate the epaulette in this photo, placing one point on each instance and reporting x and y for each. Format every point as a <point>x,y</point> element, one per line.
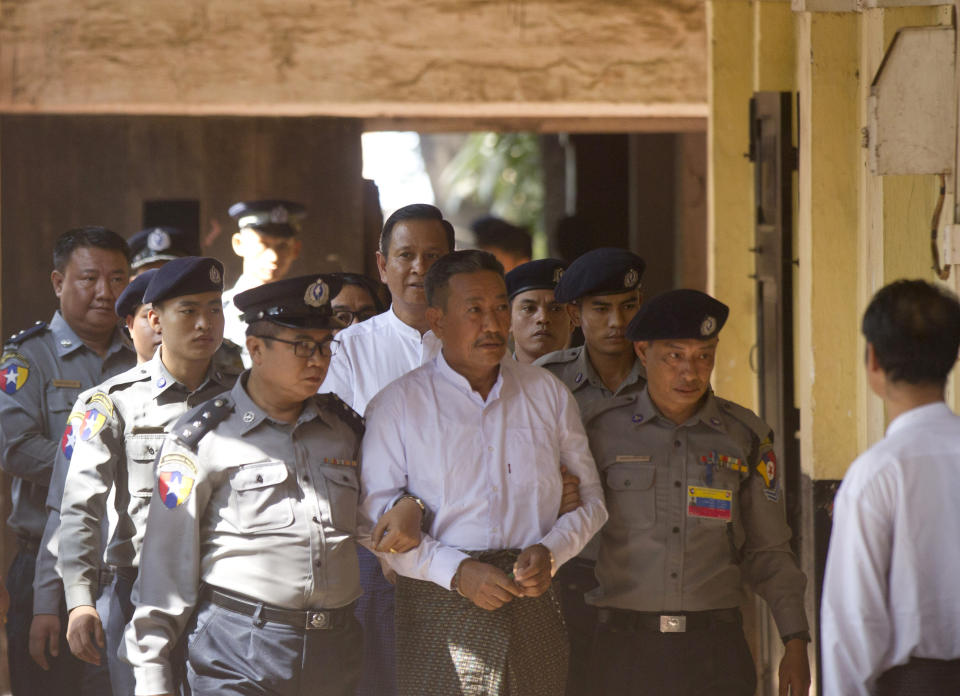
<point>558,356</point>
<point>199,421</point>
<point>343,409</point>
<point>19,338</point>
<point>748,418</point>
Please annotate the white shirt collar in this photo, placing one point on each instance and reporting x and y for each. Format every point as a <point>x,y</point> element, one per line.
<point>461,383</point>
<point>918,415</point>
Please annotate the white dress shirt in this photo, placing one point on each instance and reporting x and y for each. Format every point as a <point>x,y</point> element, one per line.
<point>488,470</point>
<point>890,590</point>
<point>234,328</point>
<point>372,354</point>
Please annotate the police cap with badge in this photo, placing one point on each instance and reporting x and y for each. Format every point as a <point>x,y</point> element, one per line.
<point>188,275</point>
<point>542,274</point>
<point>160,244</point>
<point>132,296</point>
<point>678,314</point>
<point>604,271</point>
<point>274,217</point>
<point>298,303</point>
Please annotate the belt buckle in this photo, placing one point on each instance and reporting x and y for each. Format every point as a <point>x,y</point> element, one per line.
<point>318,620</point>
<point>673,624</point>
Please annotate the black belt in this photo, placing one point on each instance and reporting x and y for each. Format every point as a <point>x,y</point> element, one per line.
<point>28,544</point>
<point>126,573</point>
<point>679,622</point>
<point>309,620</point>
<point>106,577</point>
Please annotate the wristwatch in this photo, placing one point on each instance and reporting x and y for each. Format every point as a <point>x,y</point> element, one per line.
<point>424,513</point>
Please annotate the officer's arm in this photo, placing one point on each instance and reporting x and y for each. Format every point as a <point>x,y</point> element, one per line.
<point>91,475</point>
<point>28,449</point>
<point>167,585</point>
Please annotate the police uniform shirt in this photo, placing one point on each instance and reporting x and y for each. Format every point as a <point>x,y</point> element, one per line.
<point>261,508</point>
<point>695,509</point>
<point>575,370</point>
<point>488,470</point>
<point>123,428</point>
<point>372,354</point>
<point>890,589</point>
<point>234,328</point>
<point>42,371</point>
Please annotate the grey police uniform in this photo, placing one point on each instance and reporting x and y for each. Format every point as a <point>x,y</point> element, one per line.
<point>252,524</point>
<point>573,367</point>
<point>42,371</point>
<point>695,510</point>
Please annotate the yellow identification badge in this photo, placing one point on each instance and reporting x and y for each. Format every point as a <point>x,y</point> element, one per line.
<point>712,503</point>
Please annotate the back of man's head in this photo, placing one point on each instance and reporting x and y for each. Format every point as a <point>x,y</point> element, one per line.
<point>914,328</point>
<point>437,280</point>
<point>85,237</point>
<point>414,211</point>
<point>495,233</point>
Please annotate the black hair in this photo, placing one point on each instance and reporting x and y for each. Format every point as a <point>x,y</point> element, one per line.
<point>498,233</point>
<point>437,280</point>
<point>263,329</point>
<point>87,236</point>
<point>377,290</point>
<point>914,328</point>
<point>414,211</point>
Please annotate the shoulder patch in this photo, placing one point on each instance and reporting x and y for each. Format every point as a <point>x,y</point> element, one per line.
<point>201,420</point>
<point>14,370</point>
<point>96,412</point>
<point>176,474</point>
<point>69,438</point>
<point>343,410</point>
<point>22,336</point>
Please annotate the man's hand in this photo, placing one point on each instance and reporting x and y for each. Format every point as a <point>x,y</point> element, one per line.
<point>44,632</point>
<point>398,529</point>
<point>486,585</point>
<point>795,669</point>
<point>531,572</point>
<point>571,492</point>
<point>83,623</point>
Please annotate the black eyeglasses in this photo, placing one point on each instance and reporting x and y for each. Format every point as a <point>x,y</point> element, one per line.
<point>348,317</point>
<point>307,349</point>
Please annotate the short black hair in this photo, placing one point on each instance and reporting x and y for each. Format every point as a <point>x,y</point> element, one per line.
<point>438,277</point>
<point>415,211</point>
<point>914,328</point>
<point>87,236</point>
<point>379,292</point>
<point>496,232</point>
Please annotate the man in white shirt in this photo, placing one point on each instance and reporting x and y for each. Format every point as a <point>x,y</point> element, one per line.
<point>891,610</point>
<point>481,440</point>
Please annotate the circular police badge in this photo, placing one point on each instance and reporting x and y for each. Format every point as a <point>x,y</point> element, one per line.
<point>279,215</point>
<point>158,240</point>
<point>317,294</point>
<point>708,325</point>
<point>631,278</point>
<point>214,275</point>
<point>557,275</point>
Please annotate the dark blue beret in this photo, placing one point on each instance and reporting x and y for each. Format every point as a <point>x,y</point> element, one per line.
<point>277,217</point>
<point>299,303</point>
<point>160,244</point>
<point>678,314</point>
<point>542,274</point>
<point>132,296</point>
<point>603,271</point>
<point>188,275</point>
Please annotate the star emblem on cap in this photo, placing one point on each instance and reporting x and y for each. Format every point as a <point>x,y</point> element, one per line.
<point>158,240</point>
<point>214,275</point>
<point>708,325</point>
<point>631,278</point>
<point>279,215</point>
<point>317,294</point>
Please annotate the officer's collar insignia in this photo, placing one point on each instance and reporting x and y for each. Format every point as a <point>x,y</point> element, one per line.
<point>279,215</point>
<point>176,474</point>
<point>98,410</point>
<point>317,294</point>
<point>214,275</point>
<point>557,275</point>
<point>708,326</point>
<point>631,278</point>
<point>637,418</point>
<point>161,382</point>
<point>14,370</point>
<point>578,378</point>
<point>248,417</point>
<point>158,240</point>
<point>714,420</point>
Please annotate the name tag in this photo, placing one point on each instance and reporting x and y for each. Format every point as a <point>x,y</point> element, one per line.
<point>711,503</point>
<point>67,383</point>
<point>633,458</point>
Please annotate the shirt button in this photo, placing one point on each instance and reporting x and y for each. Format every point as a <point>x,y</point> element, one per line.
<point>673,575</point>
<point>677,484</point>
<point>319,563</point>
<point>316,519</point>
<point>676,443</point>
<point>490,449</point>
<point>306,478</point>
<point>494,488</point>
<point>676,530</point>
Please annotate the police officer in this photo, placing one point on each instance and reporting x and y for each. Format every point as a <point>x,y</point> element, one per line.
<point>42,371</point>
<point>154,246</point>
<point>253,520</point>
<point>696,509</point>
<point>602,288</point>
<point>538,323</point>
<point>124,425</point>
<point>267,242</point>
<point>47,585</point>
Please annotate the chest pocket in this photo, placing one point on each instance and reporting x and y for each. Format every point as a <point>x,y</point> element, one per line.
<point>141,455</point>
<point>343,493</point>
<point>259,497</point>
<point>631,495</point>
